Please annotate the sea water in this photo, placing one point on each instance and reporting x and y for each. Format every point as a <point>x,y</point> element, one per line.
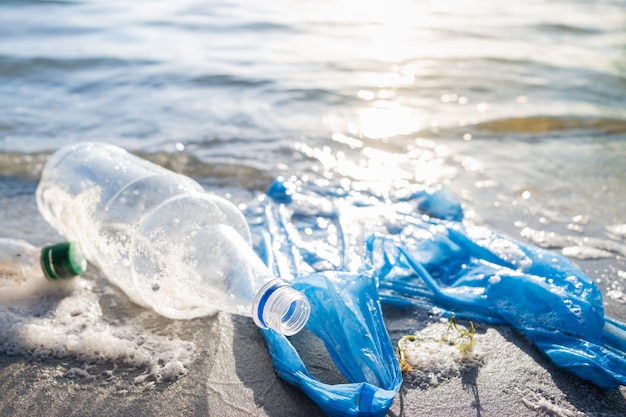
<point>516,108</point>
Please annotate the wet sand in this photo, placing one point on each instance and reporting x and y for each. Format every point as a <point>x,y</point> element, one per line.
<point>232,375</point>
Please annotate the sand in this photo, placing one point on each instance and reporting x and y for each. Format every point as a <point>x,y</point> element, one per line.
<point>232,375</point>
<point>136,363</point>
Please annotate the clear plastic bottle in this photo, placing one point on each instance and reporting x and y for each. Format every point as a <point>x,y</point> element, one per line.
<point>162,239</point>
<point>19,260</point>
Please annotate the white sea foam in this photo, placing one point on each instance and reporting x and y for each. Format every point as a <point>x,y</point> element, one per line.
<point>576,246</point>
<point>435,355</point>
<point>42,319</point>
<point>541,404</point>
<point>617,230</point>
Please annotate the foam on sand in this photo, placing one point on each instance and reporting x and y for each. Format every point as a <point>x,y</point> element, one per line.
<point>42,319</point>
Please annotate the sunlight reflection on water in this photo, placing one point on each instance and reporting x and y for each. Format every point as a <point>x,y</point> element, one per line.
<point>517,109</point>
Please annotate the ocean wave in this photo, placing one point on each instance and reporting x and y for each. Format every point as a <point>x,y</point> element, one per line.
<point>19,170</point>
<point>554,124</point>
<point>20,67</point>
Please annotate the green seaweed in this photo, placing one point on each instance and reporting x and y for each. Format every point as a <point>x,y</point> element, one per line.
<point>464,339</point>
<point>405,366</point>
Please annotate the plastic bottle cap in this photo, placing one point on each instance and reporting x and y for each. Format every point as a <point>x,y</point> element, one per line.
<point>62,260</point>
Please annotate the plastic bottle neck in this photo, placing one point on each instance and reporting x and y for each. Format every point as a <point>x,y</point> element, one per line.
<point>280,307</point>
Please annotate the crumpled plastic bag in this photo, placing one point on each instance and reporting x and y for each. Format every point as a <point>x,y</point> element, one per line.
<point>538,292</point>
<point>346,316</point>
<point>416,244</point>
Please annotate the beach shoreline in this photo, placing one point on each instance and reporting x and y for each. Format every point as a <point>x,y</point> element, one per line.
<point>232,375</point>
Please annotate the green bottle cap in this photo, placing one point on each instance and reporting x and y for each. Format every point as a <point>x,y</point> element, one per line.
<point>62,260</point>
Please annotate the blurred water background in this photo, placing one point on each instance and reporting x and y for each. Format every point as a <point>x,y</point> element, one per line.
<point>518,108</point>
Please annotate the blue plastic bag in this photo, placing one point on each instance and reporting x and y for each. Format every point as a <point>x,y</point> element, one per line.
<point>422,254</point>
<point>346,316</point>
<point>554,304</point>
